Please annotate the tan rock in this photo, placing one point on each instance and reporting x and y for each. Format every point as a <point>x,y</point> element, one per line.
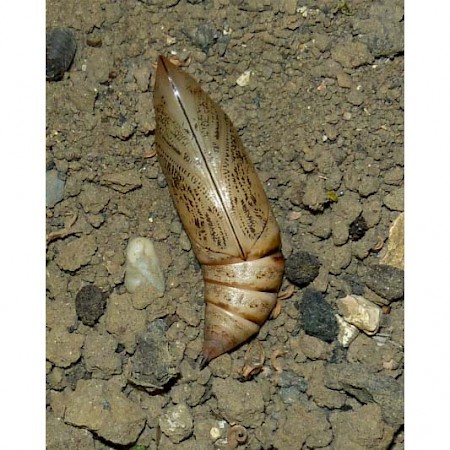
<point>347,331</point>
<point>395,250</point>
<point>360,312</point>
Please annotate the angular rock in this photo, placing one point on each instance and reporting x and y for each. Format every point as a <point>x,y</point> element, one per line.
<point>360,312</point>
<point>395,252</point>
<point>386,281</point>
<point>317,316</point>
<point>54,189</point>
<point>347,331</point>
<point>302,268</point>
<point>102,408</point>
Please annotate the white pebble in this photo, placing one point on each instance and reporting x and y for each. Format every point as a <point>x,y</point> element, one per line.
<point>360,312</point>
<point>142,266</point>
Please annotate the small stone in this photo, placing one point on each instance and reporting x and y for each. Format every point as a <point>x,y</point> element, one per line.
<point>54,188</point>
<point>360,312</point>
<point>386,281</point>
<point>77,253</point>
<point>344,80</point>
<point>395,250</point>
<point>358,228</point>
<point>302,268</point>
<point>96,404</point>
<point>123,182</point>
<point>90,304</point>
<point>244,79</point>
<point>143,269</point>
<point>204,36</point>
<point>317,316</point>
<point>347,331</point>
<point>177,423</point>
<point>63,348</point>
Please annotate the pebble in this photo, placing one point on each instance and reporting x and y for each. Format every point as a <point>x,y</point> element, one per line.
<point>90,304</point>
<point>395,250</point>
<point>347,332</point>
<point>317,316</point>
<point>360,312</point>
<point>61,46</point>
<point>358,228</point>
<point>177,423</point>
<point>54,191</point>
<point>386,281</point>
<point>302,268</point>
<point>142,267</point>
<point>96,404</point>
<point>204,36</point>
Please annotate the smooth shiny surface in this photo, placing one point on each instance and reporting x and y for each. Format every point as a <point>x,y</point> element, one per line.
<point>223,207</point>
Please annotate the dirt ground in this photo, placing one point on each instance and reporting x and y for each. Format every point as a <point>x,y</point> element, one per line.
<point>315,89</point>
